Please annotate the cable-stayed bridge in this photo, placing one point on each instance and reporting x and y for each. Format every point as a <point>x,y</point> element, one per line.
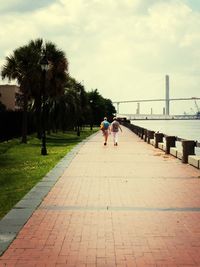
<point>166,110</point>
<point>153,100</point>
<point>157,116</point>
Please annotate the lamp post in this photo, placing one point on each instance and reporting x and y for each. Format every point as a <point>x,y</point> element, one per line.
<point>91,119</point>
<point>78,118</point>
<point>44,66</point>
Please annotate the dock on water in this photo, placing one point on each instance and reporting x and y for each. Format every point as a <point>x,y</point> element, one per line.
<point>126,205</point>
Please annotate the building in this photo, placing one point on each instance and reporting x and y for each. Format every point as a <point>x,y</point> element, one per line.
<point>8,94</point>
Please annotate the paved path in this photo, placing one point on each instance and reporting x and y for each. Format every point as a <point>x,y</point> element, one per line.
<point>129,205</point>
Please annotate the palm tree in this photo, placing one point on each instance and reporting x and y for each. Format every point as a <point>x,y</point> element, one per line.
<point>24,67</point>
<point>20,67</point>
<point>76,100</point>
<point>55,78</point>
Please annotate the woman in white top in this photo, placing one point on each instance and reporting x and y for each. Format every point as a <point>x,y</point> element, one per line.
<point>115,126</point>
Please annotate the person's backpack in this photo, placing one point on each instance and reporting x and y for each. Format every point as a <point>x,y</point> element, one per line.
<point>115,126</point>
<point>104,125</point>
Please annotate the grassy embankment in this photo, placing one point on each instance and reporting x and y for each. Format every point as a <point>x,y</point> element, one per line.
<point>22,166</point>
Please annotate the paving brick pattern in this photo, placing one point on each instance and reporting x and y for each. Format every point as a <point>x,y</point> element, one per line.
<point>127,205</point>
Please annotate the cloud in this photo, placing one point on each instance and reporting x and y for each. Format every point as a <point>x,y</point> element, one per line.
<point>122,47</point>
<point>21,6</point>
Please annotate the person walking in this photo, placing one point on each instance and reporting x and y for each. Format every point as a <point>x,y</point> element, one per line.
<point>115,126</point>
<point>105,127</point>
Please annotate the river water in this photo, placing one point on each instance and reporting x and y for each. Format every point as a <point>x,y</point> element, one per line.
<point>186,129</point>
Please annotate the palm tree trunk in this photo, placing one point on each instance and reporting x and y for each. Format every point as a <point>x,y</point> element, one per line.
<point>38,116</point>
<point>48,123</point>
<point>25,119</point>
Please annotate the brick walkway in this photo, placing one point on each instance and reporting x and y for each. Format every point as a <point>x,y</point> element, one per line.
<point>129,205</point>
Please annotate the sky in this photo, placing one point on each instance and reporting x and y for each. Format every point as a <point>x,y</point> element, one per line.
<point>124,48</point>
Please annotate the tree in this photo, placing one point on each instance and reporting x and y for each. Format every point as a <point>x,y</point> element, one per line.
<point>109,108</point>
<point>55,79</point>
<point>24,67</point>
<point>19,67</point>
<point>100,107</point>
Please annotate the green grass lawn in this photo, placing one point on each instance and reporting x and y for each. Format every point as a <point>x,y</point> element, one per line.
<point>22,165</point>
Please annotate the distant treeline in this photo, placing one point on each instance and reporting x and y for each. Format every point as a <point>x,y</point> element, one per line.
<point>64,115</point>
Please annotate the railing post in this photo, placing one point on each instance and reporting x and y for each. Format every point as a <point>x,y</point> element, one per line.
<point>133,128</point>
<point>142,133</point>
<point>136,129</point>
<point>145,135</point>
<point>158,139</point>
<point>139,131</point>
<point>150,135</point>
<point>188,149</point>
<point>170,142</point>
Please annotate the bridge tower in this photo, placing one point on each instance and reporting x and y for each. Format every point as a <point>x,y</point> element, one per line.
<point>138,109</point>
<point>167,94</point>
<point>118,108</point>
